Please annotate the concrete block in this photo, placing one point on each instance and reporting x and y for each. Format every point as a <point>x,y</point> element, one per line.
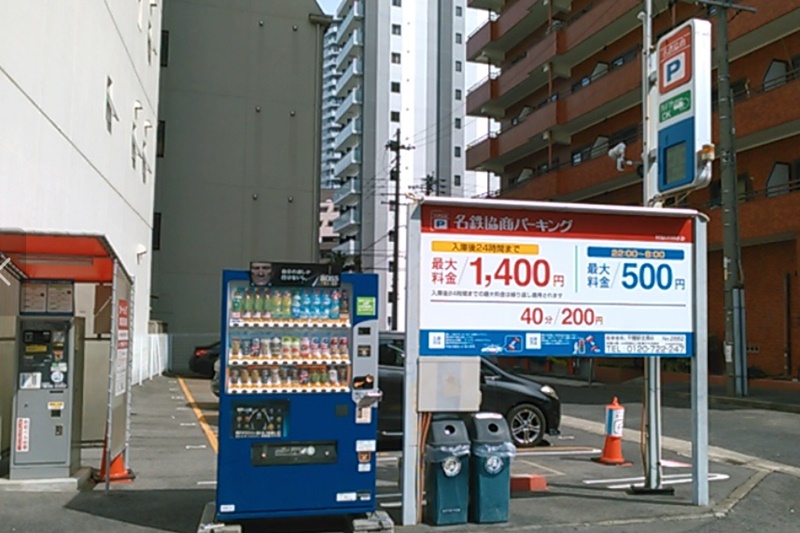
<point>528,483</point>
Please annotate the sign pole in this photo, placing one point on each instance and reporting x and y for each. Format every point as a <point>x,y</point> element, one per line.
<point>652,376</point>
<point>700,370</point>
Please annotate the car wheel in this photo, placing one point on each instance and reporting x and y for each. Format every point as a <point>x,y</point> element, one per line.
<point>527,425</point>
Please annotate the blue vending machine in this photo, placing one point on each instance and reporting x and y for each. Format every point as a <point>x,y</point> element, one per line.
<point>298,392</point>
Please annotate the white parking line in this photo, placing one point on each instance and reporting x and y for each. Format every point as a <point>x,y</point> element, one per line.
<point>591,451</point>
<point>206,482</point>
<point>669,479</point>
<point>195,446</point>
<point>189,424</point>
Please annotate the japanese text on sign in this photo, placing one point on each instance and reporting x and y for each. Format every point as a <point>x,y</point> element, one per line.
<point>558,284</point>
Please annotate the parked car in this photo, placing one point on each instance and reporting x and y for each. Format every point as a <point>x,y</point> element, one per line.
<point>532,410</point>
<point>202,361</point>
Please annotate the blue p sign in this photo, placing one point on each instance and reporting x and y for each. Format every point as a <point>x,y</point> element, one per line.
<point>673,68</point>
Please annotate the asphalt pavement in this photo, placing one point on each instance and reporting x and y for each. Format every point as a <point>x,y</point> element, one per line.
<point>173,455</point>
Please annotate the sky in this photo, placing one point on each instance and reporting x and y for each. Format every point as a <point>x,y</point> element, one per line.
<point>328,6</point>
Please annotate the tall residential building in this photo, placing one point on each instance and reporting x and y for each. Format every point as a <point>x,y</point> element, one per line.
<point>570,88</point>
<point>330,102</point>
<point>239,164</point>
<point>402,67</point>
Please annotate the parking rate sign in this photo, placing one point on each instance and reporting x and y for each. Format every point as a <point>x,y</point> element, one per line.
<point>581,283</point>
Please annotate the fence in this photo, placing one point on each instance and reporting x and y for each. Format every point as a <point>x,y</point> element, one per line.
<point>150,360</point>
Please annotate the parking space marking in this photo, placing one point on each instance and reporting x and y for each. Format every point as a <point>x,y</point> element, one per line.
<point>189,424</point>
<point>669,479</point>
<point>196,446</point>
<point>206,482</point>
<point>201,418</point>
<point>552,471</point>
<point>560,451</point>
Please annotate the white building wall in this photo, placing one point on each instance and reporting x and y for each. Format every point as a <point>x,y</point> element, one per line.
<point>61,168</point>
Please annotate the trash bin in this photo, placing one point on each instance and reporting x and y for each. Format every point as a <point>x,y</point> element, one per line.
<point>490,468</point>
<point>447,472</point>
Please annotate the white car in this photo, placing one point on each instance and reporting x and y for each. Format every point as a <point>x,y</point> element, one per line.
<point>492,349</point>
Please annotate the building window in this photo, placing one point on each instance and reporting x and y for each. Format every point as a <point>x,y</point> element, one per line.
<point>164,48</point>
<point>458,94</point>
<point>111,110</point>
<point>395,86</point>
<point>457,151</point>
<point>778,181</point>
<point>395,58</point>
<point>161,138</point>
<point>458,123</point>
<point>396,29</point>
<point>776,75</point>
<point>395,116</point>
<point>458,66</point>
<point>459,11</point>
<point>156,231</point>
<point>459,38</point>
<point>397,3</point>
<point>457,180</point>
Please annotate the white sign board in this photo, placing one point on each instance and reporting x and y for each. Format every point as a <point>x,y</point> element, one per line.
<point>684,106</point>
<point>554,282</point>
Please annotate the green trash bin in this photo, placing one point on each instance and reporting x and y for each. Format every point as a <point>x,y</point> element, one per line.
<point>447,472</point>
<point>490,468</point>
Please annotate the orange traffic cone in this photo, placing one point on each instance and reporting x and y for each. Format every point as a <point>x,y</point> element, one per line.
<point>117,473</point>
<point>612,449</point>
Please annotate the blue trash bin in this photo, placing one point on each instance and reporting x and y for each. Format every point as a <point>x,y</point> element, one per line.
<point>490,468</point>
<point>447,472</point>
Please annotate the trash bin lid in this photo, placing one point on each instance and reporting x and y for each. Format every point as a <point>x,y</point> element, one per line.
<point>489,428</point>
<point>448,432</point>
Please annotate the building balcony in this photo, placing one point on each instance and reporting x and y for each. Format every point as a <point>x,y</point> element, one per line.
<point>350,136</point>
<point>492,41</point>
<point>606,95</point>
<point>762,115</point>
<point>481,152</point>
<point>349,164</point>
<point>350,106</point>
<point>571,42</point>
<point>490,5</point>
<point>351,49</point>
<point>347,221</point>
<point>354,19</point>
<point>772,21</point>
<point>349,247</point>
<point>350,78</point>
<point>348,192</point>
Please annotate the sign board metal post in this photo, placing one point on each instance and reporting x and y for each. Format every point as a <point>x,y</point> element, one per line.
<point>568,280</point>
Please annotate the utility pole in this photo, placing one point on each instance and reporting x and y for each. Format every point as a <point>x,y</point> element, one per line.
<point>735,334</point>
<point>394,174</point>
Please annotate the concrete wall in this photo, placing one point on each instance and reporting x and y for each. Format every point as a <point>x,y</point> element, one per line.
<point>241,162</point>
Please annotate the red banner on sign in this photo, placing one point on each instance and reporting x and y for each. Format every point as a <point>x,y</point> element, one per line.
<point>554,224</point>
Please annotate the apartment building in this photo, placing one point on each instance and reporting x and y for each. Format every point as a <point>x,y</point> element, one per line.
<point>330,102</point>
<point>569,87</point>
<point>402,67</point>
<point>239,152</point>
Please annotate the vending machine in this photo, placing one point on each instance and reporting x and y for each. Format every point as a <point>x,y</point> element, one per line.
<point>298,392</point>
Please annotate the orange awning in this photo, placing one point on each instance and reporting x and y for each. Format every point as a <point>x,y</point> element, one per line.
<point>80,258</point>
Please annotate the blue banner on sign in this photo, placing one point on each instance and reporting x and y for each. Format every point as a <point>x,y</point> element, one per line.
<point>555,344</point>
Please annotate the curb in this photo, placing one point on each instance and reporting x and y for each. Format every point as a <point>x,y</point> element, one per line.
<point>746,402</point>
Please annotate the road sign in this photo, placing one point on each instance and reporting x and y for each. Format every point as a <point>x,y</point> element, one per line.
<point>684,107</point>
<point>581,282</point>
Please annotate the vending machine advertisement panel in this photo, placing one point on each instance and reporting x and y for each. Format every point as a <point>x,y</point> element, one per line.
<point>298,392</point>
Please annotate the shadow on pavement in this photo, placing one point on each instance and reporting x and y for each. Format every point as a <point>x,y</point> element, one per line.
<point>173,510</point>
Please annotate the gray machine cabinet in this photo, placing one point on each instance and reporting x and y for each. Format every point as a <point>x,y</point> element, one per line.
<point>46,428</point>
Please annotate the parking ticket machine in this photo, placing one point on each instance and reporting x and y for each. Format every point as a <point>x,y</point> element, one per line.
<point>48,405</point>
<point>298,393</point>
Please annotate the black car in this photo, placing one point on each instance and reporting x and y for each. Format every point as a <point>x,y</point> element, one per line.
<point>533,410</point>
<point>202,362</point>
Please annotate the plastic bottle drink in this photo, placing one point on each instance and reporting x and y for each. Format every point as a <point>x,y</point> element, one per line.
<point>306,305</point>
<point>248,304</point>
<point>297,306</point>
<point>335,305</point>
<point>276,304</point>
<point>258,304</point>
<point>325,309</point>
<point>286,305</point>
<point>316,305</point>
